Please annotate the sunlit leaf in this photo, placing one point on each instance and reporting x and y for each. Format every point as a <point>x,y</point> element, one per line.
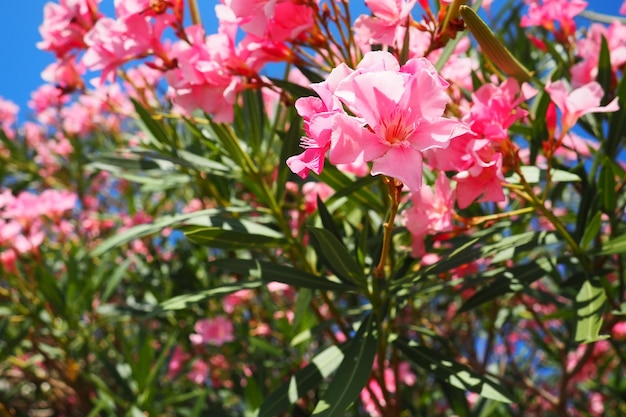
<point>590,304</point>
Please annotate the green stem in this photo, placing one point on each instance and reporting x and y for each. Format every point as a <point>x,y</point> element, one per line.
<point>395,186</point>
<point>194,12</point>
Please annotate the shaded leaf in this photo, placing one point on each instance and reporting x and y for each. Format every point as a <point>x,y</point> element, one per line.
<point>217,237</point>
<point>322,365</point>
<point>446,369</point>
<point>270,272</point>
<point>508,280</point>
<point>335,256</point>
<point>352,374</point>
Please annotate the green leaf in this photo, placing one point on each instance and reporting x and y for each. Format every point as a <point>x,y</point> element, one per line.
<point>591,231</point>
<point>344,185</point>
<point>605,72</point>
<point>614,246</point>
<point>617,126</point>
<point>590,303</point>
<point>296,90</point>
<point>190,160</point>
<point>327,219</point>
<point>535,175</point>
<point>270,272</point>
<point>607,185</point>
<point>453,373</point>
<point>217,237</point>
<point>211,216</point>
<point>128,162</point>
<point>322,365</point>
<point>508,280</point>
<point>154,130</point>
<point>183,301</point>
<point>335,256</point>
<point>290,146</point>
<point>352,374</point>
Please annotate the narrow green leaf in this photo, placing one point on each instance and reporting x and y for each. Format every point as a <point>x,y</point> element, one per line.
<point>614,246</point>
<point>535,175</point>
<point>352,374</point>
<point>296,90</point>
<point>605,72</point>
<point>507,281</point>
<point>269,272</point>
<point>322,365</point>
<point>190,160</point>
<point>217,237</point>
<point>607,186</point>
<point>448,370</point>
<point>183,301</point>
<point>616,138</point>
<point>344,185</point>
<point>335,256</point>
<point>159,224</point>
<point>591,231</point>
<point>153,129</point>
<point>327,219</point>
<point>290,147</point>
<point>590,304</point>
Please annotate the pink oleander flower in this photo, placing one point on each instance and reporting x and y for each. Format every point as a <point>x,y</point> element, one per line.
<point>65,24</point>
<point>622,9</point>
<point>496,107</point>
<point>216,331</point>
<point>8,116</point>
<point>578,102</point>
<point>432,212</point>
<point>199,372</point>
<point>112,42</point>
<point>277,21</point>
<point>203,79</point>
<point>65,74</point>
<point>177,362</point>
<point>387,25</point>
<point>396,114</point>
<point>549,13</point>
<point>587,49</point>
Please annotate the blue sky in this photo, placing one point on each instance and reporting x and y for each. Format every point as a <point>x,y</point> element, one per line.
<point>22,62</point>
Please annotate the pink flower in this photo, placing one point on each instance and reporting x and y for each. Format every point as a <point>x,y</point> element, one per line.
<point>548,13</point>
<point>622,10</point>
<point>575,104</point>
<point>177,361</point>
<point>113,42</point>
<point>273,20</point>
<point>8,116</point>
<point>432,212</point>
<point>586,70</point>
<point>397,113</point>
<point>65,25</point>
<point>203,79</point>
<point>216,331</point>
<point>199,372</point>
<point>496,108</point>
<point>387,25</point>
